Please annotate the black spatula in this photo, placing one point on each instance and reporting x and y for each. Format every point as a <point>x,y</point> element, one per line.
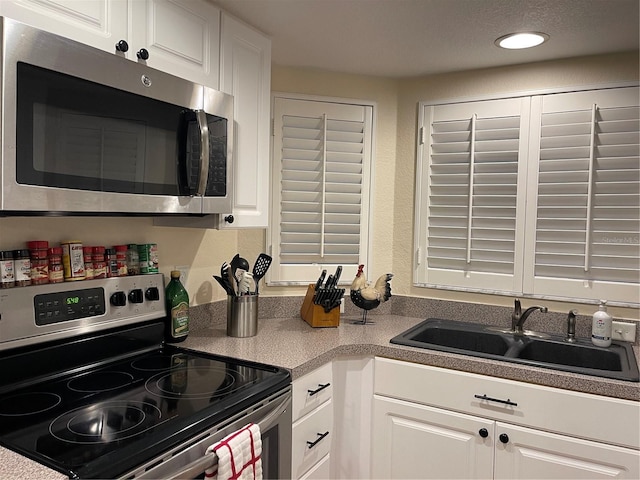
<point>260,267</point>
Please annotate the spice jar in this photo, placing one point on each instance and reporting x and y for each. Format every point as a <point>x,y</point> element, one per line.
<point>56,268</point>
<point>148,254</point>
<point>23,267</point>
<point>133,260</point>
<point>121,260</point>
<point>39,261</point>
<point>112,263</point>
<point>7,270</point>
<point>87,253</point>
<point>99,265</point>
<point>73,260</point>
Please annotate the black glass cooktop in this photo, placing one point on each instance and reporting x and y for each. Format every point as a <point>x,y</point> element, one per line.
<point>119,413</point>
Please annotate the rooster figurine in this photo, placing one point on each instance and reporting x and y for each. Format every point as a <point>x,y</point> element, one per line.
<point>367,297</point>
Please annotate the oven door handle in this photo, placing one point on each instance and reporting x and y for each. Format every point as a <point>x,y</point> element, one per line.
<point>196,467</point>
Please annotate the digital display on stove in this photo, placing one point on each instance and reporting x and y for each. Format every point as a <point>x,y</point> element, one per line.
<point>87,424</point>
<point>58,307</point>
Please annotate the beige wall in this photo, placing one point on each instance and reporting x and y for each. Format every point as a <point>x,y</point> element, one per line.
<point>392,226</point>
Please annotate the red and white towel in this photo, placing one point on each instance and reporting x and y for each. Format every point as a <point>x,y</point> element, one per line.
<point>238,456</point>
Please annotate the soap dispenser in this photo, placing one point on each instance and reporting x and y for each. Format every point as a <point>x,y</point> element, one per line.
<point>601,326</point>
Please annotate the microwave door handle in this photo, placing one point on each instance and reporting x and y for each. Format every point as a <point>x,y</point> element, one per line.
<point>198,466</point>
<point>201,117</point>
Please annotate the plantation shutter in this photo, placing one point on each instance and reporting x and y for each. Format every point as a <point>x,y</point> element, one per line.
<point>470,210</point>
<point>586,157</point>
<point>321,188</point>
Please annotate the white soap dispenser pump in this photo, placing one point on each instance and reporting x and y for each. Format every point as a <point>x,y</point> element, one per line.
<point>601,326</point>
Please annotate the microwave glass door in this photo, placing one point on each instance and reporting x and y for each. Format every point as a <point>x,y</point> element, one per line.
<point>76,134</point>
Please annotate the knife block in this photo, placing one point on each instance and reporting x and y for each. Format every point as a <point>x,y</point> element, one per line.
<point>315,315</point>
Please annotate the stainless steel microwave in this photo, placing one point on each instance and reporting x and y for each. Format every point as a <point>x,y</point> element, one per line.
<point>87,132</point>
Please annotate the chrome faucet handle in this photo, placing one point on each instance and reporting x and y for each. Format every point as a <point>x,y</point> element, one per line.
<point>571,326</point>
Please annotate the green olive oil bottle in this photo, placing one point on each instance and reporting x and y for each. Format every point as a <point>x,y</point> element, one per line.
<point>177,298</point>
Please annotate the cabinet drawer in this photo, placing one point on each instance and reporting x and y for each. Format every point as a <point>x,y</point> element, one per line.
<point>320,471</point>
<point>595,417</point>
<point>311,439</point>
<point>311,391</point>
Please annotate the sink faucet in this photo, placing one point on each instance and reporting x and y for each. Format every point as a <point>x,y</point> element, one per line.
<point>571,326</point>
<point>518,317</point>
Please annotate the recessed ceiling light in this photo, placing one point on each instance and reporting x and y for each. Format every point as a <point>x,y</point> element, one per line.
<point>522,40</point>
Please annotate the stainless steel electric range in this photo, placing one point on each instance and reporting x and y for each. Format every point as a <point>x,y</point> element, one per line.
<point>88,387</point>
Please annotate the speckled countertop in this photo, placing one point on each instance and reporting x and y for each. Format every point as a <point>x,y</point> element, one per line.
<point>293,344</point>
<point>287,341</point>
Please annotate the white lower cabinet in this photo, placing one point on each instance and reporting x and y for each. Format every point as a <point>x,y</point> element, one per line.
<point>312,430</point>
<point>416,441</point>
<point>529,453</point>
<point>430,422</point>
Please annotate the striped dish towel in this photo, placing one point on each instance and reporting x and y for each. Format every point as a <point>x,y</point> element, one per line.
<point>238,456</point>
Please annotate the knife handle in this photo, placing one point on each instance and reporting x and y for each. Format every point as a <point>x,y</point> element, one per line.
<point>320,279</point>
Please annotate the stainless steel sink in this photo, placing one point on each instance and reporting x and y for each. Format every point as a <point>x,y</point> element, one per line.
<point>549,351</point>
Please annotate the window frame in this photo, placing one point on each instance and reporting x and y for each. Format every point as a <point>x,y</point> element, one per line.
<point>422,168</point>
<point>304,274</point>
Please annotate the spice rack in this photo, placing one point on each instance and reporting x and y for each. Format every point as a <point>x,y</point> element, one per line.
<point>315,315</point>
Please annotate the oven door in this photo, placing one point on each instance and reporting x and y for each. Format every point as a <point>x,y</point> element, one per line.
<point>95,133</point>
<point>189,461</point>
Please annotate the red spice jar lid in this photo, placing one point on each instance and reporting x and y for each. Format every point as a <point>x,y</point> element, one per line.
<point>98,249</point>
<point>87,250</point>
<point>38,245</point>
<point>120,248</point>
<point>55,251</point>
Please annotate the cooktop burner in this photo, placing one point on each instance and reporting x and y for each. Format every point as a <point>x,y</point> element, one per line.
<point>80,422</point>
<point>28,403</point>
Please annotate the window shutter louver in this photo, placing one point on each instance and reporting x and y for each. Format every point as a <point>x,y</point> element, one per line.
<point>472,194</point>
<point>588,198</point>
<point>323,186</point>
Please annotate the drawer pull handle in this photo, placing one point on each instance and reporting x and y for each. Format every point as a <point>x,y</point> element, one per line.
<point>320,437</point>
<point>506,402</point>
<point>318,390</point>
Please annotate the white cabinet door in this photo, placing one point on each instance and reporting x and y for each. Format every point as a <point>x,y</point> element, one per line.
<point>416,441</point>
<point>245,59</point>
<point>533,454</point>
<point>99,23</point>
<point>182,37</point>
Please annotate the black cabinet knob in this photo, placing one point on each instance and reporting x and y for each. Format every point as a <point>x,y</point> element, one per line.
<point>504,438</point>
<point>229,219</point>
<point>483,432</point>
<point>136,296</point>
<point>118,299</point>
<point>152,294</point>
<point>143,54</point>
<point>122,46</point>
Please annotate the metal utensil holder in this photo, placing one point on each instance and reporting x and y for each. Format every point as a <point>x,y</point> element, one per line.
<point>242,315</point>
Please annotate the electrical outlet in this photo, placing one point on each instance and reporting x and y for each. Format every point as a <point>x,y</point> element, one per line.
<point>184,273</point>
<point>625,331</point>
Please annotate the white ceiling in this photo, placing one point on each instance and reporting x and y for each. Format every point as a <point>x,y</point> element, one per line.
<point>405,38</point>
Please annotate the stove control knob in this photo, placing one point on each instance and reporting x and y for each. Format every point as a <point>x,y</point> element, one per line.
<point>118,299</point>
<point>136,296</point>
<point>152,294</point>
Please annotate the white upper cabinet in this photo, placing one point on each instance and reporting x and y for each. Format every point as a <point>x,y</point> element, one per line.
<point>99,23</point>
<point>179,37</point>
<point>245,73</point>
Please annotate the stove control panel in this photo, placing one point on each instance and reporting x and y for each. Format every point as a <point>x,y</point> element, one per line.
<point>65,306</point>
<point>39,313</point>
